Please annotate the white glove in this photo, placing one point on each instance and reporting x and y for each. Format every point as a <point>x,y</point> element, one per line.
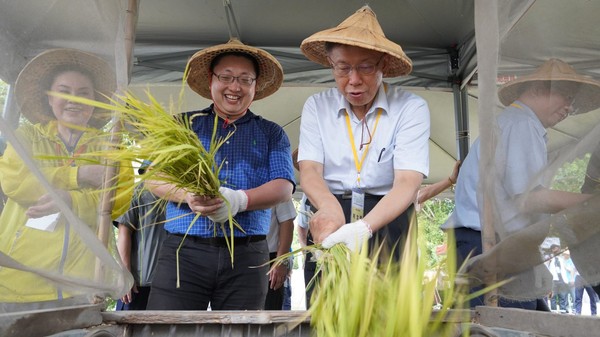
<point>351,234</point>
<point>238,202</point>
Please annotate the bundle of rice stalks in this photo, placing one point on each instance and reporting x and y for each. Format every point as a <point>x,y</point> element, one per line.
<point>165,138</point>
<point>356,295</point>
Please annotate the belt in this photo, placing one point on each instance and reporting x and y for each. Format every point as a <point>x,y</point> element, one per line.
<point>348,195</point>
<point>219,241</point>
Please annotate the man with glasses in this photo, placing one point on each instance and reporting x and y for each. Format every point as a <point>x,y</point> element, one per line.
<point>256,173</point>
<point>534,103</point>
<point>364,147</point>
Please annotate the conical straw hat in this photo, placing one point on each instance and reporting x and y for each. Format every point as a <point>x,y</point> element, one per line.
<point>361,29</point>
<point>32,98</point>
<point>270,71</point>
<point>586,99</point>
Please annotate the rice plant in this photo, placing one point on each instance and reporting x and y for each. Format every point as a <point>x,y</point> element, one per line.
<point>356,294</point>
<point>164,137</point>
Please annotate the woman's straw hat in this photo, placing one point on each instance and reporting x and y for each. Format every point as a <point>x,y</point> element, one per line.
<point>269,78</point>
<point>586,99</point>
<point>33,99</point>
<point>361,29</point>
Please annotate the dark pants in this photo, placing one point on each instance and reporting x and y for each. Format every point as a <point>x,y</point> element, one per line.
<point>139,300</point>
<point>207,276</point>
<point>581,286</point>
<point>558,301</point>
<point>310,269</point>
<point>274,300</point>
<point>468,241</point>
<point>392,237</point>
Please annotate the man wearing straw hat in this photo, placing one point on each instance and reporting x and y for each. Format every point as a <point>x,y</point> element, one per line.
<point>533,103</point>
<point>256,174</point>
<point>363,148</point>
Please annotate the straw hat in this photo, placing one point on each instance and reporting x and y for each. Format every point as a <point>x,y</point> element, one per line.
<point>586,99</point>
<point>361,29</point>
<point>32,98</point>
<point>269,78</point>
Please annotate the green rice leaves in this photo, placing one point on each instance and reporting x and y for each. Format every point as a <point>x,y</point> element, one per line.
<point>164,137</point>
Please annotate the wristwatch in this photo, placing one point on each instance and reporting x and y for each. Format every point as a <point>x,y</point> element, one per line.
<point>286,263</point>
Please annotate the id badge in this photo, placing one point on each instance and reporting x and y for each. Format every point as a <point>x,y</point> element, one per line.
<point>358,205</point>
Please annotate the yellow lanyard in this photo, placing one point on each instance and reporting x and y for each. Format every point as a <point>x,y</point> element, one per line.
<point>357,163</point>
<point>516,106</point>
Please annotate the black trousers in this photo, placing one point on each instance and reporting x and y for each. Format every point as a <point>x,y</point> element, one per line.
<point>274,300</point>
<point>207,276</point>
<point>393,236</point>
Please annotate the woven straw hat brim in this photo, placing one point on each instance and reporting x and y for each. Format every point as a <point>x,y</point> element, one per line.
<point>361,30</point>
<point>33,99</point>
<point>586,99</point>
<point>270,71</point>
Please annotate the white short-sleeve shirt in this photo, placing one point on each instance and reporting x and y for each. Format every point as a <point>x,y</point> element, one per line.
<point>400,140</point>
<point>280,213</point>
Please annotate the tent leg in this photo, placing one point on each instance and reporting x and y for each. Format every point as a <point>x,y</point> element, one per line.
<point>461,112</point>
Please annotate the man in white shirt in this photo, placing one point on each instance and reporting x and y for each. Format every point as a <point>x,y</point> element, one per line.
<point>364,146</point>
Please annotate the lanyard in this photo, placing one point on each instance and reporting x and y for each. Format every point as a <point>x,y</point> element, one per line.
<point>358,163</point>
<point>516,106</point>
<point>74,154</point>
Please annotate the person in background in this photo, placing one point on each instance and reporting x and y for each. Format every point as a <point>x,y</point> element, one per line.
<point>256,174</point>
<point>64,131</point>
<point>581,285</point>
<point>364,145</point>
<point>534,103</point>
<point>279,239</point>
<point>560,281</point>
<point>570,274</point>
<point>305,238</point>
<point>287,286</point>
<point>430,191</point>
<point>140,236</point>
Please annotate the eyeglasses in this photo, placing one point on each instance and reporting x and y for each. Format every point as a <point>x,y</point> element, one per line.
<point>244,80</point>
<point>344,69</point>
<point>569,96</point>
<point>573,110</point>
<point>362,132</point>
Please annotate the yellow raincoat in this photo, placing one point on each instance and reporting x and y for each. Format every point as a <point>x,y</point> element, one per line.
<point>59,251</point>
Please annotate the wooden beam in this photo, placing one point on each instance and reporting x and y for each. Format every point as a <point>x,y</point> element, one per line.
<point>49,321</point>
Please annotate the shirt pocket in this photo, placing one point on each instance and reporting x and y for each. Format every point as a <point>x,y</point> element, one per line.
<point>384,154</point>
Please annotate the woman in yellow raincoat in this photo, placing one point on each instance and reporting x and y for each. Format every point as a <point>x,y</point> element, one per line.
<point>59,133</point>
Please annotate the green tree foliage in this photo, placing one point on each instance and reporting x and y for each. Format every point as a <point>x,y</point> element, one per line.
<point>571,175</point>
<point>433,214</point>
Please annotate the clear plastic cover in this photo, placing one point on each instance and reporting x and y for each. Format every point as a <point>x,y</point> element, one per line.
<point>57,246</point>
<point>532,179</point>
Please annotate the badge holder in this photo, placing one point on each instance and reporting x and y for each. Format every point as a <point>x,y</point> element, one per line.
<point>358,205</point>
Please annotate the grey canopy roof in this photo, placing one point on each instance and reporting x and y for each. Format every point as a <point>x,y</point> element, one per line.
<point>439,37</point>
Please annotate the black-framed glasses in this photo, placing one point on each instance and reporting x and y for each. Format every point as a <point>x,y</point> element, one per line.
<point>344,69</point>
<point>244,80</point>
<point>362,133</point>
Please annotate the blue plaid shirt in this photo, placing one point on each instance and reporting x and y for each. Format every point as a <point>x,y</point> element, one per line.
<point>258,152</point>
